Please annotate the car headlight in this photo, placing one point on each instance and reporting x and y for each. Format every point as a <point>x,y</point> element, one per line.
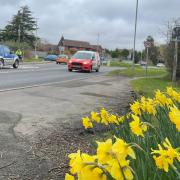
<point>85,62</point>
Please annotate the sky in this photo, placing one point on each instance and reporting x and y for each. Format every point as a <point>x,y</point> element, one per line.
<point>83,20</point>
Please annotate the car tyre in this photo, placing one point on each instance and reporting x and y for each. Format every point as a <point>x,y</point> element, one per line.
<point>90,70</point>
<point>1,64</point>
<point>16,64</point>
<point>70,70</point>
<point>97,70</point>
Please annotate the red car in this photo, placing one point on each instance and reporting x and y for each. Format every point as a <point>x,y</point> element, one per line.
<point>62,58</point>
<point>84,61</point>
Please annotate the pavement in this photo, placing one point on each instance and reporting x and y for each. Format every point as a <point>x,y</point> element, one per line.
<point>37,99</point>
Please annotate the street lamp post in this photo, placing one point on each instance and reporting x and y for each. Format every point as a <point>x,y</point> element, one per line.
<point>135,27</point>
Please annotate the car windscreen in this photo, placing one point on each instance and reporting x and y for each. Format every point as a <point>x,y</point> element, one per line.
<point>83,55</point>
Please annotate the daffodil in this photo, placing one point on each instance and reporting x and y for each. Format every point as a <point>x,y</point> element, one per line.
<point>136,108</point>
<point>171,152</point>
<point>95,117</point>
<point>89,173</point>
<point>138,127</point>
<point>172,93</point>
<point>160,98</point>
<point>87,123</point>
<point>104,116</point>
<point>104,151</point>
<point>120,170</point>
<point>164,157</point>
<point>76,162</point>
<point>69,177</point>
<point>151,106</point>
<point>174,116</point>
<point>121,119</point>
<point>113,119</point>
<point>121,149</point>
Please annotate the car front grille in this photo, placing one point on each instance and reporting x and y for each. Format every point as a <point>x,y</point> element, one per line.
<point>76,65</point>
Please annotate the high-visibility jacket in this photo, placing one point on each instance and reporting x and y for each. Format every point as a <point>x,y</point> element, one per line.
<point>19,52</point>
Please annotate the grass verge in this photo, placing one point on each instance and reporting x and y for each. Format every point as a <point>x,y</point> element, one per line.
<point>119,64</point>
<point>146,86</point>
<point>156,79</point>
<point>139,72</point>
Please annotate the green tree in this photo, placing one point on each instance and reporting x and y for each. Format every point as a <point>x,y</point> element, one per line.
<point>21,28</point>
<point>125,53</point>
<point>115,53</point>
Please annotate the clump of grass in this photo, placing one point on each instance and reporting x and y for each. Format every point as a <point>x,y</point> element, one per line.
<point>138,72</point>
<point>146,86</point>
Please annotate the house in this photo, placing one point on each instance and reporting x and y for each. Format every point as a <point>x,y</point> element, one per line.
<point>74,45</point>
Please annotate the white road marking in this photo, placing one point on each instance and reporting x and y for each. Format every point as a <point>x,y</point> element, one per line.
<point>28,67</point>
<point>44,84</point>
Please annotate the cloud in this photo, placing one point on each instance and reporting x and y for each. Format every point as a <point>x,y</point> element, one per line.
<point>84,19</point>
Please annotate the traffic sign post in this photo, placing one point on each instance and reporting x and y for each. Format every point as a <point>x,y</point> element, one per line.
<point>147,45</point>
<point>176,39</point>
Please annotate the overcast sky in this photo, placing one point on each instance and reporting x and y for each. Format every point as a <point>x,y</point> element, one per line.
<point>84,19</point>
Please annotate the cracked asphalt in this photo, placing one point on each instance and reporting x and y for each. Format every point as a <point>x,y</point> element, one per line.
<point>36,111</point>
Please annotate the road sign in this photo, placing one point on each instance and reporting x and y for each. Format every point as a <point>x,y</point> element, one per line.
<point>61,48</point>
<point>147,44</point>
<point>176,34</point>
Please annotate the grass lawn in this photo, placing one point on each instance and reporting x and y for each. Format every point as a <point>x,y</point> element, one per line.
<point>156,79</point>
<point>138,72</point>
<point>146,86</point>
<point>119,64</point>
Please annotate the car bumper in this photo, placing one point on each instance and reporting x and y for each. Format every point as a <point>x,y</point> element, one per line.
<point>79,67</point>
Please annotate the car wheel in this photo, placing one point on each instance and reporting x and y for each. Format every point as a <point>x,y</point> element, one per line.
<point>90,70</point>
<point>1,64</point>
<point>69,70</point>
<point>16,64</point>
<point>97,70</point>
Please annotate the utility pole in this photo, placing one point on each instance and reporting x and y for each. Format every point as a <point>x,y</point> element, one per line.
<point>19,29</point>
<point>175,61</point>
<point>97,49</point>
<point>35,46</point>
<point>135,27</point>
<point>176,39</point>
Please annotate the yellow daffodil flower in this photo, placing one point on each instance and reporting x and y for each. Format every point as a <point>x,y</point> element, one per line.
<point>166,155</point>
<point>138,127</point>
<point>122,149</point>
<point>172,93</point>
<point>160,98</point>
<point>95,117</point>
<point>174,116</point>
<point>119,170</point>
<point>113,119</point>
<point>87,123</point>
<point>136,108</point>
<point>104,151</point>
<point>104,116</point>
<point>69,177</point>
<point>89,173</point>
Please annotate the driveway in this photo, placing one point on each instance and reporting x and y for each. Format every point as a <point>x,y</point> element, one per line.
<point>28,113</point>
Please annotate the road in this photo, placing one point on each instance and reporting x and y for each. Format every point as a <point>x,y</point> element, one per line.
<point>40,74</point>
<point>39,99</point>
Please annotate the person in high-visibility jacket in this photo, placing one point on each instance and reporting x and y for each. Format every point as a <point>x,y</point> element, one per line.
<point>19,54</point>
